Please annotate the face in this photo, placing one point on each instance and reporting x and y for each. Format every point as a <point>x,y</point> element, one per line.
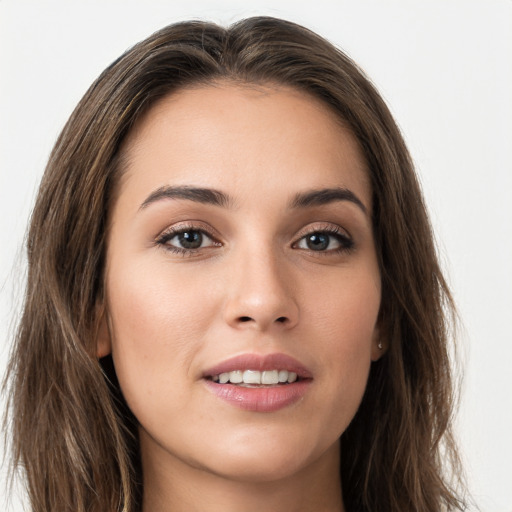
<point>242,281</point>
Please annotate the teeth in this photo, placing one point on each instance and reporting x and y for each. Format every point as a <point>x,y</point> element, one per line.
<point>283,376</point>
<point>292,377</point>
<point>236,377</point>
<point>252,377</point>
<point>270,377</point>
<point>267,377</point>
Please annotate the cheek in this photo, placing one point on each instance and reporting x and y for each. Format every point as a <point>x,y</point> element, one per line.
<point>157,324</point>
<point>345,318</point>
<point>345,307</point>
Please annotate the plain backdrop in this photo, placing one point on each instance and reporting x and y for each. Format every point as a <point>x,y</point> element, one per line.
<point>445,69</point>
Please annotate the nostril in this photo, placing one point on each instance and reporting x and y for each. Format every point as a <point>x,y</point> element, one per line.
<point>245,319</point>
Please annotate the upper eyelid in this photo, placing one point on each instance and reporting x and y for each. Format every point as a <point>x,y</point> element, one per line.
<point>206,229</point>
<point>323,227</point>
<point>181,227</point>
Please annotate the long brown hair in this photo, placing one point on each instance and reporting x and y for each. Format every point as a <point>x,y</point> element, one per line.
<point>72,433</point>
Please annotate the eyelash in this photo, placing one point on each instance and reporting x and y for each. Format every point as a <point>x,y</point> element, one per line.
<point>164,238</point>
<point>345,241</point>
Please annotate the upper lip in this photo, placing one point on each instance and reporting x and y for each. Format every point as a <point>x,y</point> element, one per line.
<point>259,362</point>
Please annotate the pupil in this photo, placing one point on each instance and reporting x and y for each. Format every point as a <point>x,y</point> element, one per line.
<point>190,239</point>
<point>318,241</point>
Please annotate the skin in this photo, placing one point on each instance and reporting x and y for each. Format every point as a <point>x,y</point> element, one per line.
<point>254,286</point>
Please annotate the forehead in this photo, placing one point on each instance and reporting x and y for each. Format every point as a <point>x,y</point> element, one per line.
<point>225,134</point>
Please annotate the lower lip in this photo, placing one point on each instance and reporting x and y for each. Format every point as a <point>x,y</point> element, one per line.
<point>260,399</point>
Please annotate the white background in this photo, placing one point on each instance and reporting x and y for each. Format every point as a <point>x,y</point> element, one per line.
<point>444,67</point>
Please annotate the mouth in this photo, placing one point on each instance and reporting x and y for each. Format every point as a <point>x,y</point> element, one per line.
<point>259,383</point>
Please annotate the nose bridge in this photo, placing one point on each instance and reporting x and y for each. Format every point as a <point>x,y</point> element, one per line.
<point>260,293</point>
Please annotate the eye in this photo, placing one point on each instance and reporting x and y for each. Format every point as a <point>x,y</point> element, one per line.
<point>332,240</point>
<point>186,240</point>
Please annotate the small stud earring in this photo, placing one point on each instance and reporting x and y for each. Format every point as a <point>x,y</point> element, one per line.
<point>380,345</point>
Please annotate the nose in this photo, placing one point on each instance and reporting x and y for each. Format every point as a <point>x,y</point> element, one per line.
<point>261,294</point>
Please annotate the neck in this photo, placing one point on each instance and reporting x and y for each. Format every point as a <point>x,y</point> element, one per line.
<point>174,486</point>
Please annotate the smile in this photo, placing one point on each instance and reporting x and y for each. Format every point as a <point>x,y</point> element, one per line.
<point>259,383</point>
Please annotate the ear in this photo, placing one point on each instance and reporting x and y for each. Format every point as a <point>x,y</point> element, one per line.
<point>379,345</point>
<point>103,338</point>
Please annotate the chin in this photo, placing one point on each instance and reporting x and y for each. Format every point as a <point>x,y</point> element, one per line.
<point>272,459</point>
<point>255,468</point>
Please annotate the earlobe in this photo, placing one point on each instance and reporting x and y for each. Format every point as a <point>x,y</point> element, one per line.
<point>103,339</point>
<point>379,346</point>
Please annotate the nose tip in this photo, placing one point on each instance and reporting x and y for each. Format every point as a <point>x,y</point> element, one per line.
<point>261,297</point>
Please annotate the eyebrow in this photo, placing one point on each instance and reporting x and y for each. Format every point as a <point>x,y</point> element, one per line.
<point>217,198</point>
<point>325,196</point>
<point>197,194</point>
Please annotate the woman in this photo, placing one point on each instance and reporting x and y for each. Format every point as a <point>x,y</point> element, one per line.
<point>234,300</point>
